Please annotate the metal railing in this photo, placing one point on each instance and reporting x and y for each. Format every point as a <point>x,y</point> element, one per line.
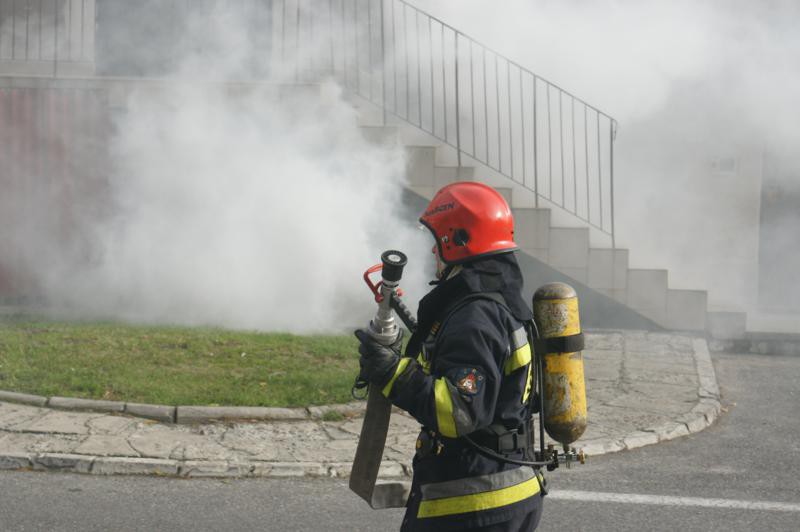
<point>51,32</point>
<point>413,66</point>
<point>487,107</point>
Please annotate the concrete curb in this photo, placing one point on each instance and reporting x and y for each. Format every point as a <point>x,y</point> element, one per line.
<point>92,405</point>
<point>23,398</point>
<point>703,414</point>
<point>205,414</point>
<point>123,465</point>
<point>187,414</point>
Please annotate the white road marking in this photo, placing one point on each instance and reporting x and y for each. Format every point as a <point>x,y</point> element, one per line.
<point>666,500</point>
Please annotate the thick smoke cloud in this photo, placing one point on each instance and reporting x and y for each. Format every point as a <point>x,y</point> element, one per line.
<point>247,206</point>
<point>253,206</point>
<point>704,92</point>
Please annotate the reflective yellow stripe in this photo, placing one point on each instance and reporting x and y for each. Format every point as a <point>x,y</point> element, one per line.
<point>479,501</point>
<point>528,384</point>
<point>518,358</point>
<point>400,368</point>
<point>424,364</point>
<point>444,409</point>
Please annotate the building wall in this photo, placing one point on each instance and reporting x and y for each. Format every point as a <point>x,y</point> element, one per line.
<point>47,37</point>
<point>688,200</point>
<point>53,177</point>
<point>779,249</point>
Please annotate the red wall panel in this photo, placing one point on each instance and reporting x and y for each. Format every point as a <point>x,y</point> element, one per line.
<point>53,153</point>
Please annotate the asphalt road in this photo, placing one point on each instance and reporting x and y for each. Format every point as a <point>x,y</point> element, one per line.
<point>740,474</point>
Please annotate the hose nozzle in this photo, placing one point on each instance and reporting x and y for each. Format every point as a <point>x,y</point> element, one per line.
<point>393,263</point>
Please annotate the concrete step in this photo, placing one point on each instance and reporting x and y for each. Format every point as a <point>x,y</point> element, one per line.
<point>647,293</point>
<point>569,251</point>
<point>425,178</point>
<point>608,272</point>
<point>532,231</point>
<point>724,325</point>
<point>772,322</point>
<point>686,310</point>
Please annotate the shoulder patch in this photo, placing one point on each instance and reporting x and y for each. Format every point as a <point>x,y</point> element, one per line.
<point>469,381</point>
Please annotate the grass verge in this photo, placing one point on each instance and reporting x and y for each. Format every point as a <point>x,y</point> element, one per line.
<point>175,365</point>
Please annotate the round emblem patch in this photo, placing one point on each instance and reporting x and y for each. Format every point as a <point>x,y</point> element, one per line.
<point>469,381</point>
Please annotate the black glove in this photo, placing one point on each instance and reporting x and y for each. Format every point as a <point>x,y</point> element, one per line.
<point>378,362</point>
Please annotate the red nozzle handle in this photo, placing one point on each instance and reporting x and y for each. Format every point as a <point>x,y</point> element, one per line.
<point>375,288</point>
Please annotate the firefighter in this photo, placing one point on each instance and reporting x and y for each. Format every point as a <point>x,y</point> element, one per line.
<point>466,374</point>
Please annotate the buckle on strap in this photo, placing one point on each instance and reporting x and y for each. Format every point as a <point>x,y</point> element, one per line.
<point>509,442</point>
<point>502,440</point>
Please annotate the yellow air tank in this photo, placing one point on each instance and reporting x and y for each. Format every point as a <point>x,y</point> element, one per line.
<point>555,310</point>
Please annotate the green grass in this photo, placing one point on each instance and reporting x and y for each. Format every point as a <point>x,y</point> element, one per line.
<point>175,365</point>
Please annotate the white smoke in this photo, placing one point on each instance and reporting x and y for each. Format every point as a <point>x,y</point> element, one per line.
<point>240,205</point>
<point>253,205</point>
<point>693,85</point>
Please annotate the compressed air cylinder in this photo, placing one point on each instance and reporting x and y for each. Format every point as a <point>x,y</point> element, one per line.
<point>555,310</point>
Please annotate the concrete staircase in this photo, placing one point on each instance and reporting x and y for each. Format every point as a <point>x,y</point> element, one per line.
<point>546,236</point>
<point>566,249</point>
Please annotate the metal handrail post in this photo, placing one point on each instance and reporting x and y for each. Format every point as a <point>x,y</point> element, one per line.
<point>330,38</point>
<point>419,71</point>
<point>522,128</point>
<point>297,43</point>
<point>599,173</point>
<point>383,65</point>
<point>535,148</point>
<point>369,49</point>
<point>55,39</point>
<point>586,160</point>
<point>472,99</point>
<point>510,121</point>
<point>430,63</point>
<point>612,136</point>
<point>458,110</point>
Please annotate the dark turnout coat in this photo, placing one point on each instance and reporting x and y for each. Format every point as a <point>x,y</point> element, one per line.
<point>469,366</point>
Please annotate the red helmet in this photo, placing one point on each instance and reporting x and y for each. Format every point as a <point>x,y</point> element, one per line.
<point>469,220</point>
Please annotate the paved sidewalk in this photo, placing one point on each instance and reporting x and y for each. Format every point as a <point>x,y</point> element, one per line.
<point>642,388</point>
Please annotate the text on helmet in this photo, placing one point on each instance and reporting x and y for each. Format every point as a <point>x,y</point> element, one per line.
<point>440,208</point>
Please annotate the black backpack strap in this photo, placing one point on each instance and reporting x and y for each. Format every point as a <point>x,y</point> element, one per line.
<point>490,296</point>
